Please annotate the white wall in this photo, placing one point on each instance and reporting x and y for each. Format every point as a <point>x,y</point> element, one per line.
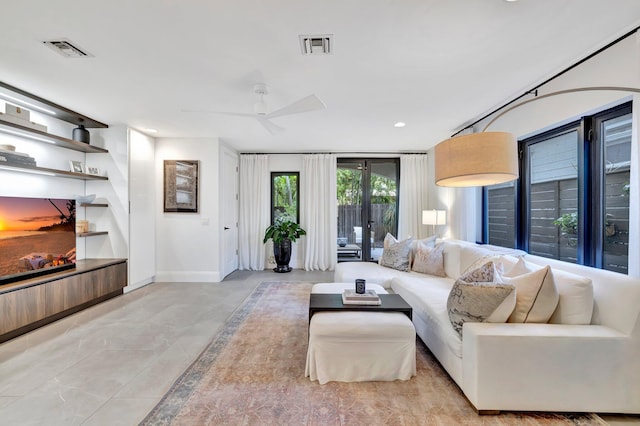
<point>187,244</point>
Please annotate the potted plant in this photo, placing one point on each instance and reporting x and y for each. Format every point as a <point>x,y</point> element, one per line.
<point>283,232</point>
<point>568,223</point>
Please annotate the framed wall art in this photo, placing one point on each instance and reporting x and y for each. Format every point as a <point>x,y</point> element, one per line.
<point>181,186</point>
<point>76,166</point>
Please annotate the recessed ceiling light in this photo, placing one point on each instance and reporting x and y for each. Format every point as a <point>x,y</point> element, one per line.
<point>399,124</point>
<point>151,130</point>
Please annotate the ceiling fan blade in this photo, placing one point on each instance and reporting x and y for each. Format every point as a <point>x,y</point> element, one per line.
<point>309,103</point>
<point>238,114</point>
<point>271,128</point>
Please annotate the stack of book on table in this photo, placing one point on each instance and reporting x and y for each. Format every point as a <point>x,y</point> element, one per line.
<point>350,297</point>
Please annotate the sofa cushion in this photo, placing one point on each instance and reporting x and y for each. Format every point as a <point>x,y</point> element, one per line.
<point>477,297</point>
<point>471,253</point>
<point>575,305</point>
<point>373,273</point>
<point>428,260</point>
<point>396,253</point>
<point>428,297</point>
<point>451,252</point>
<point>536,296</point>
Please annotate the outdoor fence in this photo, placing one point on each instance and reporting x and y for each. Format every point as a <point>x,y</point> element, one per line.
<point>349,217</point>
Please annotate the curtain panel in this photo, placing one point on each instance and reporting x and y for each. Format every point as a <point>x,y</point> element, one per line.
<point>319,211</point>
<point>254,217</point>
<point>413,196</point>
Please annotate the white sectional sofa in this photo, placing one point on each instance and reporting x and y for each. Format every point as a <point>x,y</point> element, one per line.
<point>585,359</point>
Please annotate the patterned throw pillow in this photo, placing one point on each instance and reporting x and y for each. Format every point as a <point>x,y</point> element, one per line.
<point>428,260</point>
<point>477,297</point>
<point>479,302</point>
<point>486,273</point>
<point>396,254</point>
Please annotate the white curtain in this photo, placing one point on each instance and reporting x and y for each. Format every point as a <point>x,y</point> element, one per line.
<point>319,211</point>
<point>255,201</point>
<point>413,196</point>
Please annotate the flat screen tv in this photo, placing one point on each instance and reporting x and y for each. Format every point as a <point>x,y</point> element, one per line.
<point>37,237</point>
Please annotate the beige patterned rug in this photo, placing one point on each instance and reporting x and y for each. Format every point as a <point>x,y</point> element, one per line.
<point>252,373</point>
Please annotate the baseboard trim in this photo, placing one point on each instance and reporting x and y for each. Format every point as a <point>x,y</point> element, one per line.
<point>188,276</point>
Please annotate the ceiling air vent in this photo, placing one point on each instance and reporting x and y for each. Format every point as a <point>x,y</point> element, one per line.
<point>316,44</point>
<point>67,49</point>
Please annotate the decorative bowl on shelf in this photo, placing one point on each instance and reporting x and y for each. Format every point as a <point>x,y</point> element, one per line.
<point>85,199</point>
<point>342,242</point>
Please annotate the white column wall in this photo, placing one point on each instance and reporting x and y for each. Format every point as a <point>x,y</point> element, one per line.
<point>142,199</point>
<point>187,244</point>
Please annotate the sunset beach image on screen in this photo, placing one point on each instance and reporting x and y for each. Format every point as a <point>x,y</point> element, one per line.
<point>36,234</point>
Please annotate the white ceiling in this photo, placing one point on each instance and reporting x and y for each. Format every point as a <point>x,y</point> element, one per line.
<point>434,64</point>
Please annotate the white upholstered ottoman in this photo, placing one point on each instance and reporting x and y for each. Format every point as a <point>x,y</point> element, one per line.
<point>359,346</point>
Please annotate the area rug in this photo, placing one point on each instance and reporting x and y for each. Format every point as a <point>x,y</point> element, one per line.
<point>252,373</point>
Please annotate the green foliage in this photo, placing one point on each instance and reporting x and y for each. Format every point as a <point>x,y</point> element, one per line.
<point>349,188</point>
<point>285,195</point>
<point>389,218</point>
<point>284,228</point>
<point>568,223</point>
<point>625,189</point>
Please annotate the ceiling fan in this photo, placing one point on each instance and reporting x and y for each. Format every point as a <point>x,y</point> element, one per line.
<point>306,104</point>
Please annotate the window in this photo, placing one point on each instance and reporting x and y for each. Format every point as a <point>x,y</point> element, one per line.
<point>572,199</point>
<point>285,195</point>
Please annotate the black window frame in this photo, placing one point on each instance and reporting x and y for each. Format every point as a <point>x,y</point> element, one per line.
<point>591,174</point>
<point>273,193</point>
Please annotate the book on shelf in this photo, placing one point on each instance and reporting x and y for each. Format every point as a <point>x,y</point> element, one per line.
<point>350,297</point>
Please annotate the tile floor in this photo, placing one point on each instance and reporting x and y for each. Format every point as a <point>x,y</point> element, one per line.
<point>111,364</point>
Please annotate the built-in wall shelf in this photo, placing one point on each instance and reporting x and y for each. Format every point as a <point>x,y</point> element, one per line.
<point>29,304</point>
<point>36,103</point>
<point>39,136</point>
<point>49,172</point>
<point>91,234</point>
<point>94,205</point>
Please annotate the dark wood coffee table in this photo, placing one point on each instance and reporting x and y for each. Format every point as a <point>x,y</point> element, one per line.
<point>321,302</point>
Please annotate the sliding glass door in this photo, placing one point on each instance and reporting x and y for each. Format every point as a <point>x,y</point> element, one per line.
<point>367,205</point>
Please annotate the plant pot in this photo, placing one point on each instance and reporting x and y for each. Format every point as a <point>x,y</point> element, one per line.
<point>282,254</point>
<point>610,230</point>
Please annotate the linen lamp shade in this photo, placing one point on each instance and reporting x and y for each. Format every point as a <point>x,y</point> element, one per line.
<point>477,159</point>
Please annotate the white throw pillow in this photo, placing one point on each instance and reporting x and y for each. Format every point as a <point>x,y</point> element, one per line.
<point>428,260</point>
<point>536,296</point>
<point>521,267</point>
